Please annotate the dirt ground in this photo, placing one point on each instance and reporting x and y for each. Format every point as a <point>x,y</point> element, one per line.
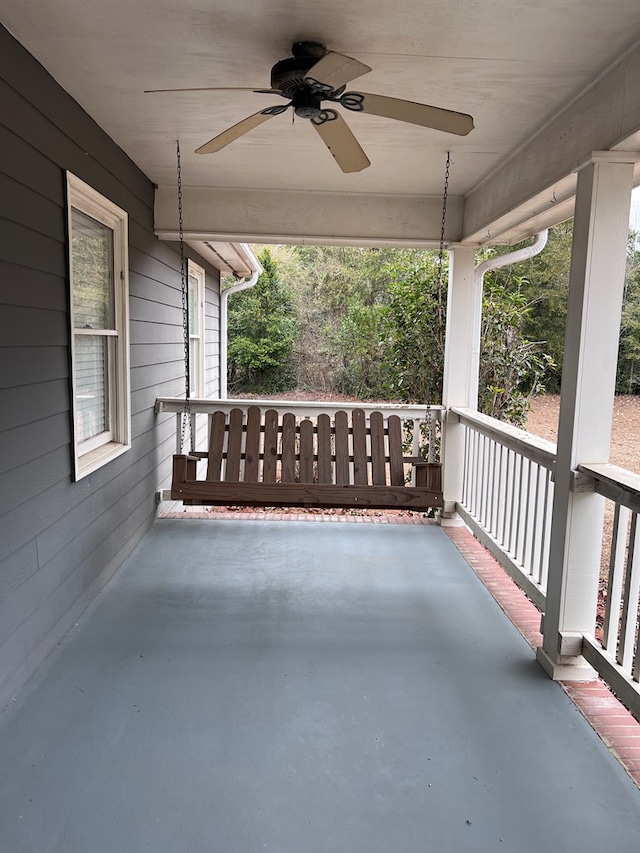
<point>625,438</point>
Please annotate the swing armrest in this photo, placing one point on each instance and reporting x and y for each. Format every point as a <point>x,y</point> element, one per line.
<point>184,468</point>
<point>429,475</point>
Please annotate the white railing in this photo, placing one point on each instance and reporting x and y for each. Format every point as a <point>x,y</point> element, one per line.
<point>613,649</point>
<point>421,423</point>
<point>508,496</point>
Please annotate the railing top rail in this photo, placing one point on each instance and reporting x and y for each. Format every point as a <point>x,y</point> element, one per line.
<point>615,483</point>
<point>299,407</point>
<point>539,450</point>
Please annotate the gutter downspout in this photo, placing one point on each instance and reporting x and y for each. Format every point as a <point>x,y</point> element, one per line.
<point>539,242</point>
<point>242,284</point>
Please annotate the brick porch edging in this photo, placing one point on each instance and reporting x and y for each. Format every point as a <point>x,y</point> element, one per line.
<point>385,517</point>
<point>613,723</point>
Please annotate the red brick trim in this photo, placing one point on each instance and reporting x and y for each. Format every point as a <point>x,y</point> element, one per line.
<point>339,516</point>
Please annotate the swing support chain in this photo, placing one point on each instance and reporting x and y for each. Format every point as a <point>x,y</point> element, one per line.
<point>187,438</point>
<point>445,196</point>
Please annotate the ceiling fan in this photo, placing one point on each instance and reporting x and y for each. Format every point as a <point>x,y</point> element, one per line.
<point>315,75</point>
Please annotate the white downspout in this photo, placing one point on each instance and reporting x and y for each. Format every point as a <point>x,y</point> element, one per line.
<point>539,242</point>
<point>242,284</point>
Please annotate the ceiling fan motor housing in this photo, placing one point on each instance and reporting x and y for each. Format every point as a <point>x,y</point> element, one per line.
<point>288,75</point>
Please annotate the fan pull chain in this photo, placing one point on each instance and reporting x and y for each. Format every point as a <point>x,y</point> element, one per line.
<point>186,416</point>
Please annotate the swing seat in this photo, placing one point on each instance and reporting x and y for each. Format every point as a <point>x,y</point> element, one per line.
<point>345,461</point>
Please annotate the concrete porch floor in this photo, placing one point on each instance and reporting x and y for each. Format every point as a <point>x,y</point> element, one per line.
<point>293,687</point>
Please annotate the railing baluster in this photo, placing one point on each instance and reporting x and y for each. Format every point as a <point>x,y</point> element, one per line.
<point>522,518</point>
<point>469,498</point>
<point>545,530</point>
<point>630,598</point>
<point>476,473</point>
<point>515,504</point>
<point>483,480</point>
<point>527,520</point>
<point>505,455</point>
<point>615,577</point>
<point>487,480</point>
<point>495,488</point>
<point>519,531</point>
<point>465,468</point>
<point>534,525</point>
<point>506,504</point>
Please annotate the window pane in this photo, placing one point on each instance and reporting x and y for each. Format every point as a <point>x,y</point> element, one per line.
<point>194,350</point>
<point>92,385</point>
<point>92,257</point>
<point>194,307</point>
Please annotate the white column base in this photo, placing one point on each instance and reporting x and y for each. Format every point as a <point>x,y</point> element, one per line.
<point>566,668</point>
<point>449,519</point>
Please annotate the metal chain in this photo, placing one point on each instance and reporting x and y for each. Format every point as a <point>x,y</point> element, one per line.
<point>431,435</point>
<point>186,417</point>
<point>445,195</point>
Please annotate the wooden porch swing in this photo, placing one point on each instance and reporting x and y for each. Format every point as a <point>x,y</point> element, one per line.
<point>350,459</point>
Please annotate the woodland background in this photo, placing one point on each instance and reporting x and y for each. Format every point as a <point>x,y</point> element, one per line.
<point>370,324</point>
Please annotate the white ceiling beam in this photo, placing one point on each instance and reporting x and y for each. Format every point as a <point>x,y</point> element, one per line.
<point>605,116</point>
<point>272,216</point>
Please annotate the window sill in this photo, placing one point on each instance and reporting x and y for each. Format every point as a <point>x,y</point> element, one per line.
<point>94,459</point>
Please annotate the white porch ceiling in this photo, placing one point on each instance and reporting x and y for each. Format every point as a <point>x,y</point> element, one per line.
<point>513,64</point>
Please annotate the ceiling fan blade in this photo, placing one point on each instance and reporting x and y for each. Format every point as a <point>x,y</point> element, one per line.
<point>339,139</point>
<point>232,133</point>
<point>422,114</point>
<point>335,70</point>
<point>217,89</point>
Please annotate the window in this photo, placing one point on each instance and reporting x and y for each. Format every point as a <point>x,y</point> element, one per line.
<point>99,288</point>
<point>196,330</point>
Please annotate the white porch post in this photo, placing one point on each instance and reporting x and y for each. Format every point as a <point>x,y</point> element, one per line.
<point>460,380</point>
<point>588,384</point>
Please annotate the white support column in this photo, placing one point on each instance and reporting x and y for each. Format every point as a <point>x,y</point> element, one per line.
<point>588,385</point>
<point>460,367</point>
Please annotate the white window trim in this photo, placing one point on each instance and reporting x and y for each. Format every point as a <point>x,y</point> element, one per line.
<point>103,448</point>
<point>198,273</point>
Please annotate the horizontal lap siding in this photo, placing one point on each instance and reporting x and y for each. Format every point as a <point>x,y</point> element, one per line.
<point>60,541</point>
<point>212,338</point>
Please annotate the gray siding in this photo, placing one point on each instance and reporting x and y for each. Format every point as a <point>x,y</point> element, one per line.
<point>212,339</point>
<point>60,541</point>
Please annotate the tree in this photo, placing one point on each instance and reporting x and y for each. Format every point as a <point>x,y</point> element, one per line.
<point>341,294</point>
<point>512,368</point>
<point>628,378</point>
<point>262,329</point>
<point>414,328</point>
<point>544,283</point>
